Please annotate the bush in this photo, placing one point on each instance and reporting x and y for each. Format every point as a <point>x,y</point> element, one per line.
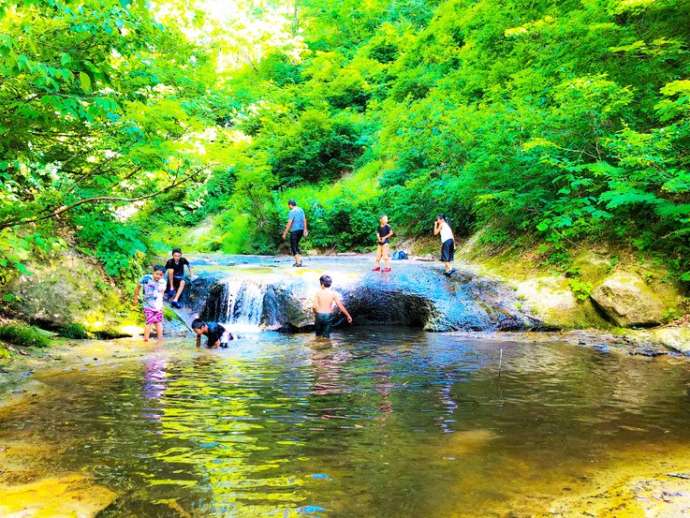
<point>24,335</point>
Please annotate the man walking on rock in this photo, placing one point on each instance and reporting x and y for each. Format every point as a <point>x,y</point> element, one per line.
<point>297,227</point>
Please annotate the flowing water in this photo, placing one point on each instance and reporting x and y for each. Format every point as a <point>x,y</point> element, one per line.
<point>377,422</point>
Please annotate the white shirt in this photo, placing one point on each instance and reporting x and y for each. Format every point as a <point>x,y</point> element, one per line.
<point>446,232</point>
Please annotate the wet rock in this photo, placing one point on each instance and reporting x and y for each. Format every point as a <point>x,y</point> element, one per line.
<point>674,337</point>
<point>649,350</point>
<point>627,301</point>
<point>413,295</point>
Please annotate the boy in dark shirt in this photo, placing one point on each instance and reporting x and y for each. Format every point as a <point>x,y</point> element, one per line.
<point>175,274</point>
<point>216,335</point>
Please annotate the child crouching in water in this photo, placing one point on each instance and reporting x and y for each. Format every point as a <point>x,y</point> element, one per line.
<point>153,287</point>
<point>324,302</point>
<point>216,335</point>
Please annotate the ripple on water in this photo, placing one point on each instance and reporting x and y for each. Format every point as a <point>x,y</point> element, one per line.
<point>378,423</point>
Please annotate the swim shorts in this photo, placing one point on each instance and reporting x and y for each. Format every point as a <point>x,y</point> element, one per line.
<point>153,316</point>
<point>322,324</point>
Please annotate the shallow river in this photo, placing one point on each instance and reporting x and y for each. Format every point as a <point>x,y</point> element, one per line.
<point>377,422</point>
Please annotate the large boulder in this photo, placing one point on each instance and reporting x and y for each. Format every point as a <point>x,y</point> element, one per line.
<point>551,299</point>
<point>413,295</point>
<point>68,288</point>
<point>628,301</point>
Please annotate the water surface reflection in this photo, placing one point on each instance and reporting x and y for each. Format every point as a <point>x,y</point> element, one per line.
<point>375,423</point>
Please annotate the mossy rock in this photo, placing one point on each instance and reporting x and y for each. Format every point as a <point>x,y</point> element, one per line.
<point>24,335</point>
<point>551,299</point>
<point>67,290</point>
<point>628,301</point>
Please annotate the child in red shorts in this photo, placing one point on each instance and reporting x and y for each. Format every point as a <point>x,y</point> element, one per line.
<point>153,286</point>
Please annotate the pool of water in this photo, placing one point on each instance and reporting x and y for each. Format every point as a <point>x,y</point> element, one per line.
<point>376,422</point>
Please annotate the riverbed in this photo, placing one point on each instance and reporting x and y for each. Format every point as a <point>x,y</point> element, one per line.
<point>379,421</point>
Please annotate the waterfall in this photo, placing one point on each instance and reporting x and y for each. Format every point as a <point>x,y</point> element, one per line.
<point>243,306</point>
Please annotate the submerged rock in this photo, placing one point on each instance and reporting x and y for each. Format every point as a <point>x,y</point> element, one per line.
<point>61,495</point>
<point>627,301</point>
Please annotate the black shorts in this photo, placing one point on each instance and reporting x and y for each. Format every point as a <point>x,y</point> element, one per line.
<point>177,280</point>
<point>322,324</point>
<point>295,238</point>
<point>448,251</point>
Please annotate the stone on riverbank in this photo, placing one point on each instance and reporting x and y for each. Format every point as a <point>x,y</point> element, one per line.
<point>553,302</point>
<point>627,301</point>
<point>674,337</point>
<point>66,289</point>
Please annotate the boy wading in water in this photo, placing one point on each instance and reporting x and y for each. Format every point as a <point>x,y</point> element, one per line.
<point>324,302</point>
<point>297,227</point>
<point>153,286</point>
<point>216,335</point>
<point>383,235</point>
<point>442,227</point>
<point>175,272</point>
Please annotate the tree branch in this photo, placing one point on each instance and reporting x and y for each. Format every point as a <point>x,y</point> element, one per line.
<point>96,199</point>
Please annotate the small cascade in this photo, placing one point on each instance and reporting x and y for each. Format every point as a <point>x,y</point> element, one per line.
<point>243,306</point>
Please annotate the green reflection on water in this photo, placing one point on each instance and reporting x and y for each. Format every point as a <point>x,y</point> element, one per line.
<point>376,423</point>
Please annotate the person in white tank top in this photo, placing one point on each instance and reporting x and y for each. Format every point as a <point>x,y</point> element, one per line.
<point>442,227</point>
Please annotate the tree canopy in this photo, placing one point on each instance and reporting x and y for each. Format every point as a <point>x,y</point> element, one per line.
<point>547,124</point>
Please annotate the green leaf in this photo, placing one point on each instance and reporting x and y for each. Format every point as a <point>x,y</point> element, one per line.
<point>85,82</point>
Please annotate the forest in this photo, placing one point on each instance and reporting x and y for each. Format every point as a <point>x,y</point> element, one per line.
<point>127,127</point>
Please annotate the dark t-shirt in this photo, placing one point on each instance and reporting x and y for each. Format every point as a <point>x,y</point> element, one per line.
<point>384,231</point>
<point>215,333</point>
<point>178,268</point>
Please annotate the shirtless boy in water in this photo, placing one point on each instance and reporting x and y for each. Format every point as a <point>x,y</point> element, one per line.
<point>324,302</point>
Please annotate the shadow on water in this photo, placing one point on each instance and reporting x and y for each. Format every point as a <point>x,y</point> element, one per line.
<point>378,422</point>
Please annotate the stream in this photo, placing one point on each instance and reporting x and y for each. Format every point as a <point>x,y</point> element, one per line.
<point>380,421</point>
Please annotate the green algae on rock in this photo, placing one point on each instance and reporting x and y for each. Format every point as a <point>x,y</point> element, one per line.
<point>628,301</point>
<point>68,292</point>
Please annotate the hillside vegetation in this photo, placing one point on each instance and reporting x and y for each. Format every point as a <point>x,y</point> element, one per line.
<point>545,124</point>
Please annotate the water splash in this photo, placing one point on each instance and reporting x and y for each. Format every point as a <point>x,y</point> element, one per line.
<point>243,304</point>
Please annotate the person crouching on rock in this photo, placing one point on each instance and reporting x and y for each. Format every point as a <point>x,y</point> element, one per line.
<point>153,287</point>
<point>216,335</point>
<point>325,301</point>
<point>176,280</point>
<point>383,235</point>
<point>442,227</point>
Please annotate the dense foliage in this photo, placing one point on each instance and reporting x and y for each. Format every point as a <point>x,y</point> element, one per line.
<point>546,124</point>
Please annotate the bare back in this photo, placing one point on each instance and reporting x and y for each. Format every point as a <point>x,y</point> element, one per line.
<point>325,300</point>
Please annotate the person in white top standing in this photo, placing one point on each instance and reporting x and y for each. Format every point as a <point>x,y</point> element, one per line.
<point>442,227</point>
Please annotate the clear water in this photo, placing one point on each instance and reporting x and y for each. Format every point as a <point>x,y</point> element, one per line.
<point>377,422</point>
